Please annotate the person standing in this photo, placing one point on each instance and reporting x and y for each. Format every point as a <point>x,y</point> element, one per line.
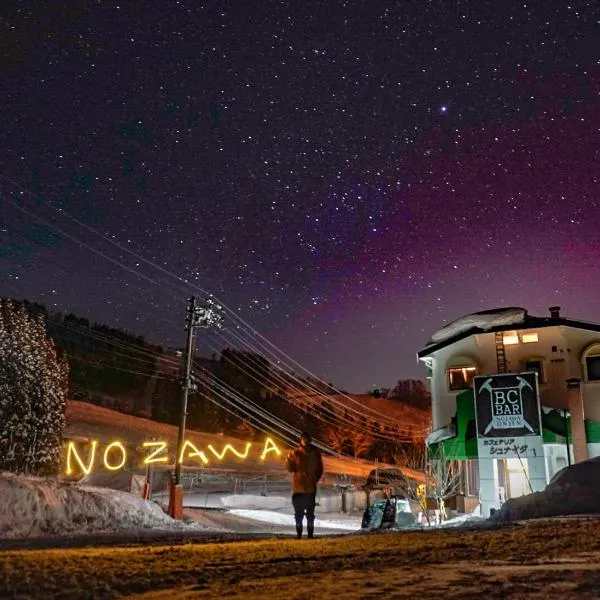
<point>306,464</point>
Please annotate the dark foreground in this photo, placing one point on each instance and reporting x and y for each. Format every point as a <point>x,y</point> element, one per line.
<point>535,560</point>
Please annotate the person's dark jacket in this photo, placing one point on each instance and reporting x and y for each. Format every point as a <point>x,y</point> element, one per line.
<point>306,464</point>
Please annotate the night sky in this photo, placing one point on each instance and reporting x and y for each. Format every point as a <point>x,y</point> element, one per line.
<point>347,176</point>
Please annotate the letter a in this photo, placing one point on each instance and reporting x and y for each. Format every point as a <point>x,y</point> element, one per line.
<point>193,453</point>
<point>270,446</point>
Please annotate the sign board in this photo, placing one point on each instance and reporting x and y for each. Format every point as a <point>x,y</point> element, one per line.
<point>507,413</point>
<point>137,485</point>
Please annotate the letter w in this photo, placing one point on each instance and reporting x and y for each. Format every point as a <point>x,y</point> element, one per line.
<point>230,448</point>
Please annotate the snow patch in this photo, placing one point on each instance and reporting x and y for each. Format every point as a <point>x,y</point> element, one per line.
<point>224,500</point>
<point>460,520</point>
<point>275,518</point>
<point>250,501</point>
<point>36,507</point>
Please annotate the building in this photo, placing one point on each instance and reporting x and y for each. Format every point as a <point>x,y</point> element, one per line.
<point>562,354</point>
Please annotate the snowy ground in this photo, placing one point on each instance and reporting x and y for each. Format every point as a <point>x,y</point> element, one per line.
<point>35,507</point>
<point>539,560</point>
<point>287,519</point>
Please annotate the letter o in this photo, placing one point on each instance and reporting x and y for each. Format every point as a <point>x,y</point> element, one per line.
<point>123,456</point>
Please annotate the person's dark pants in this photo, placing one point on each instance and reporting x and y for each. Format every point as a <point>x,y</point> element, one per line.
<point>304,504</point>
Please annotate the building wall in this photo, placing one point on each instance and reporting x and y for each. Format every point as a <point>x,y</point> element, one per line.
<point>556,458</point>
<point>561,350</point>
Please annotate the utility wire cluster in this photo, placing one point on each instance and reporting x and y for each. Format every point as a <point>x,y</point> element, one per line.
<point>224,327</point>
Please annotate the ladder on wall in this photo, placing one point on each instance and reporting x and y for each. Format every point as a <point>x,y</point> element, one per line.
<point>500,353</point>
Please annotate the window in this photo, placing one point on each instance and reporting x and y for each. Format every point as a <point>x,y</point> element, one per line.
<point>529,338</point>
<point>536,366</point>
<point>593,368</point>
<point>591,362</point>
<point>512,338</point>
<point>461,378</point>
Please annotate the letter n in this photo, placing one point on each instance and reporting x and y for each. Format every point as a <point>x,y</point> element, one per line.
<point>72,453</point>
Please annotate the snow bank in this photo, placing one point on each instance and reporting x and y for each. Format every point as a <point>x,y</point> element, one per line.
<point>484,320</point>
<point>574,490</point>
<point>34,507</point>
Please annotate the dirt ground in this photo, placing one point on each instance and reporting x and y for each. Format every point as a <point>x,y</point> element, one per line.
<point>538,559</point>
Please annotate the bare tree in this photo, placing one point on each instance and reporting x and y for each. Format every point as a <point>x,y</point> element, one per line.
<point>357,441</point>
<point>444,479</point>
<point>362,441</point>
<point>337,438</point>
<point>412,456</point>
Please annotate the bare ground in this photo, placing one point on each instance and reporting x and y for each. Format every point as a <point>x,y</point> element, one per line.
<point>533,560</point>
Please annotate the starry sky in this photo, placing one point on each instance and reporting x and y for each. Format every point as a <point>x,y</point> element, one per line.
<point>347,176</point>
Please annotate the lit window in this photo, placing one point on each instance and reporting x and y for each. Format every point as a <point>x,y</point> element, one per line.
<point>510,338</point>
<point>461,378</point>
<point>529,338</point>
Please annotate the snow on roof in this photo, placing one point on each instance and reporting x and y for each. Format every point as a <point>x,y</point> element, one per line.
<point>485,320</point>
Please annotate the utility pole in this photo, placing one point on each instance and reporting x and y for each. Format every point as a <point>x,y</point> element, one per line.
<point>206,315</point>
<point>186,385</point>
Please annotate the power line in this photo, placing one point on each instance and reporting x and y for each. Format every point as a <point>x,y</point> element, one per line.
<point>335,419</point>
<point>262,340</point>
<point>326,398</point>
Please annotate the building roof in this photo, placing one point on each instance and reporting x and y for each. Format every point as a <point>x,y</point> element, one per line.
<point>498,319</point>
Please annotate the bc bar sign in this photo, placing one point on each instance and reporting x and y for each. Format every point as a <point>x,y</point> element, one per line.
<point>507,411</point>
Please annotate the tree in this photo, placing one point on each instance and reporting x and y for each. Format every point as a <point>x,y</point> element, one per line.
<point>444,476</point>
<point>412,456</point>
<point>442,481</point>
<point>356,440</point>
<point>33,394</point>
<point>413,392</point>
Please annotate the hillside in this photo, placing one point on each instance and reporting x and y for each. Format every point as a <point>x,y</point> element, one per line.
<point>405,413</point>
<point>87,422</point>
<point>117,370</point>
<point>108,366</point>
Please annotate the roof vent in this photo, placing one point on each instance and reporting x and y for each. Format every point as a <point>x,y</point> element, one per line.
<point>554,312</point>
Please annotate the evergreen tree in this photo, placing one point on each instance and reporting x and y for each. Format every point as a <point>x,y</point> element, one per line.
<point>33,394</point>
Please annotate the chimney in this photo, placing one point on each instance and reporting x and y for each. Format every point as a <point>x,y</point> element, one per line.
<point>554,312</point>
